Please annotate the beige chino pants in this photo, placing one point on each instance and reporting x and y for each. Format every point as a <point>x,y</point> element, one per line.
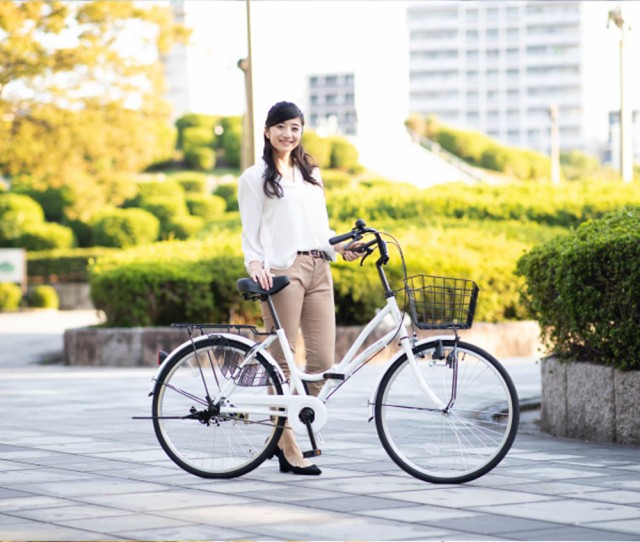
<point>306,304</point>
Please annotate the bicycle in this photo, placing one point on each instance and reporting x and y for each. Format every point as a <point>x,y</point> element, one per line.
<point>445,410</point>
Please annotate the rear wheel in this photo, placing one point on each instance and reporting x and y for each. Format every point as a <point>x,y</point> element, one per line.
<point>455,444</point>
<point>192,430</point>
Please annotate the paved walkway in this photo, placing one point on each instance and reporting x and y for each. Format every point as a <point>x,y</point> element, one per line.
<point>75,466</point>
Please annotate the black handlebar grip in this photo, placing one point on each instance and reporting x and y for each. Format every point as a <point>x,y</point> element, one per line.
<point>339,238</point>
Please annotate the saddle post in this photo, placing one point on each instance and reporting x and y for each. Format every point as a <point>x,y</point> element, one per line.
<point>272,310</point>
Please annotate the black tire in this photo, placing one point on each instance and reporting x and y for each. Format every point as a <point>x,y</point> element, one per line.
<point>190,430</point>
<point>458,445</point>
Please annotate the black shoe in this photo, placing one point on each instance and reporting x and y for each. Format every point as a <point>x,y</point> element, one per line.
<point>285,466</point>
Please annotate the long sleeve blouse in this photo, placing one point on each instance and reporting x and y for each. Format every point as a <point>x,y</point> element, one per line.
<point>275,229</point>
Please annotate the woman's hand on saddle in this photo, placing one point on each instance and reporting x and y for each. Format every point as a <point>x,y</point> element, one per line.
<point>260,275</point>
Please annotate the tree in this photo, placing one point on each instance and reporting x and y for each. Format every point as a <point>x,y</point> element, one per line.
<point>81,88</point>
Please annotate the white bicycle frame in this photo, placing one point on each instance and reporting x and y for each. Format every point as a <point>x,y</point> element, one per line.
<point>295,398</point>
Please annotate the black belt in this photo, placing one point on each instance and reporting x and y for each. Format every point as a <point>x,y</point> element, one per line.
<point>315,254</point>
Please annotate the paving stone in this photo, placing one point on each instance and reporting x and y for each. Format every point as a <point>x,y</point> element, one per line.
<point>84,470</point>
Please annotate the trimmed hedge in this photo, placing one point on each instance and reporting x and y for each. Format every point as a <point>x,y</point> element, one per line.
<point>207,207</point>
<point>132,283</point>
<point>125,228</point>
<point>584,289</point>
<point>63,265</point>
<point>566,205</point>
<point>46,236</point>
<point>171,282</point>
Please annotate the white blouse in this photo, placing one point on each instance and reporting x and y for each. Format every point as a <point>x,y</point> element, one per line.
<point>275,229</point>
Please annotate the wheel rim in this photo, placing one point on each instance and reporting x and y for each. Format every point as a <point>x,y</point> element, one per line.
<point>454,446</point>
<point>194,433</point>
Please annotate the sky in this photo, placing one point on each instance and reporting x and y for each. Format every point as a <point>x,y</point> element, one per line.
<point>291,39</point>
<point>294,38</point>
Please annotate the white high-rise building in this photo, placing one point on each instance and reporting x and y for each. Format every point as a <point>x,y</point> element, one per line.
<point>332,104</point>
<point>498,67</point>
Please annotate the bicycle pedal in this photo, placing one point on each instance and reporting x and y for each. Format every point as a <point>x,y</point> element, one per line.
<point>333,376</point>
<point>312,453</point>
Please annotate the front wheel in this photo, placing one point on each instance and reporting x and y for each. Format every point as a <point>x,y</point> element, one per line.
<point>465,439</point>
<point>191,427</point>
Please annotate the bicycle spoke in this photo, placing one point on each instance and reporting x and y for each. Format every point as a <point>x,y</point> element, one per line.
<point>453,445</point>
<point>220,445</point>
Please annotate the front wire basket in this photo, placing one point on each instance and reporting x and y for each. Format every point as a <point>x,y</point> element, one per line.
<point>441,302</point>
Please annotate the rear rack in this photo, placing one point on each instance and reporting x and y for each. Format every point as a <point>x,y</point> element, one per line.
<point>228,328</point>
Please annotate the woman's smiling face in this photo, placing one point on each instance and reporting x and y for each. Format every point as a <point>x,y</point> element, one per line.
<point>285,136</point>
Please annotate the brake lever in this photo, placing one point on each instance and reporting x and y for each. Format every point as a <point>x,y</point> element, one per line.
<point>368,251</point>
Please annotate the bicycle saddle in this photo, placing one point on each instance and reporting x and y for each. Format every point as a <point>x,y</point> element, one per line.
<point>247,286</point>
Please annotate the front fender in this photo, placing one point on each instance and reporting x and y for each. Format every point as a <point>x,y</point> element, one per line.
<point>190,344</point>
<point>398,355</point>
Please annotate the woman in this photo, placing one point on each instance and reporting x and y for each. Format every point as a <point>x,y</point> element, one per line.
<point>285,231</point>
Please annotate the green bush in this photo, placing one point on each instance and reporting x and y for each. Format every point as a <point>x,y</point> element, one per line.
<point>169,189</point>
<point>184,227</point>
<point>196,137</point>
<point>17,213</point>
<point>584,289</point>
<point>166,210</point>
<point>173,282</point>
<point>191,120</point>
<point>10,296</point>
<point>43,296</point>
<point>125,228</point>
<point>207,207</point>
<point>333,179</point>
<point>82,232</point>
<point>468,145</point>
<point>46,236</point>
<point>228,192</point>
<point>231,141</point>
<point>318,147</point>
<point>344,155</point>
<point>53,200</point>
<point>566,205</point>
<point>192,182</point>
<point>200,158</point>
<point>63,265</point>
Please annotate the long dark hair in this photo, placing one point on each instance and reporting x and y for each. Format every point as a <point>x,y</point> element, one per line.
<point>281,112</point>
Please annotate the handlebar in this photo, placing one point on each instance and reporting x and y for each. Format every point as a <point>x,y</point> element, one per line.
<point>357,233</point>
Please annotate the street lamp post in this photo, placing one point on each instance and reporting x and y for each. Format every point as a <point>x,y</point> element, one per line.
<point>245,64</point>
<point>626,166</point>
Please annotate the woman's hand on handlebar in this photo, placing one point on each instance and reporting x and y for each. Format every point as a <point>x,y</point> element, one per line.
<point>260,275</point>
<point>349,254</point>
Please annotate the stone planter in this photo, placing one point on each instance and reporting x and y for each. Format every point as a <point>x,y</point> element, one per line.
<point>138,346</point>
<point>590,402</point>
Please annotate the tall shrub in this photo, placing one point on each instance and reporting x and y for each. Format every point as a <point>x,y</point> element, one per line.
<point>584,289</point>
